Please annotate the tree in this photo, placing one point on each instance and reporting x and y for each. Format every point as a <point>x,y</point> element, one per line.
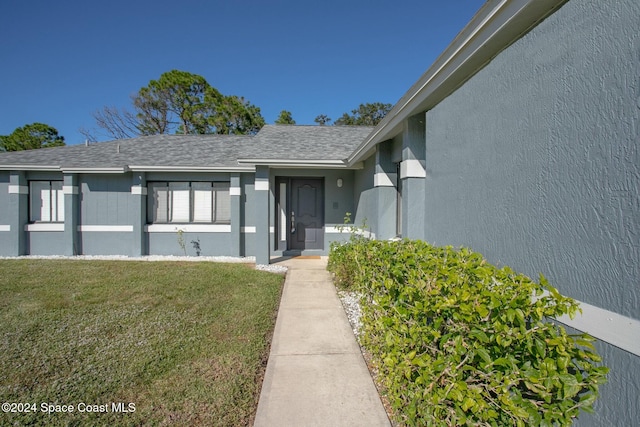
<point>285,118</point>
<point>30,137</point>
<point>365,115</point>
<point>180,102</point>
<point>322,119</point>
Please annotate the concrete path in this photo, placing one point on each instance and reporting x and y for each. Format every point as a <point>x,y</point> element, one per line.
<point>316,375</point>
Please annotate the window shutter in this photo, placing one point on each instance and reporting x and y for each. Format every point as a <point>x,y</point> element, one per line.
<point>180,201</point>
<point>223,202</point>
<point>157,205</point>
<point>57,201</point>
<point>39,196</point>
<point>202,202</point>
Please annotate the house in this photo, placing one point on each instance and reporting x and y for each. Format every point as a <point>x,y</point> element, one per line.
<point>521,141</point>
<point>132,197</point>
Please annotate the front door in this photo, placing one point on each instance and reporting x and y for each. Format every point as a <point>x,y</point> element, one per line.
<point>306,214</point>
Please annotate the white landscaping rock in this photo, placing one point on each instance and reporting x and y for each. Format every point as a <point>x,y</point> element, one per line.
<point>228,259</point>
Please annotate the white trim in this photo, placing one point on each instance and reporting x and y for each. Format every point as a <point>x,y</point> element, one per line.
<point>95,170</point>
<point>70,189</point>
<point>139,190</point>
<point>608,326</point>
<point>272,230</point>
<point>382,179</point>
<point>142,168</point>
<point>295,163</point>
<point>5,227</point>
<point>412,168</point>
<point>262,185</point>
<point>188,228</point>
<point>45,226</point>
<point>101,228</point>
<point>235,191</point>
<point>346,229</point>
<point>249,229</point>
<point>18,189</point>
<point>47,168</point>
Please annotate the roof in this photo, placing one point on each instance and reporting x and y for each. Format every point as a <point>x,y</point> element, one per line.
<point>280,143</point>
<point>305,146</point>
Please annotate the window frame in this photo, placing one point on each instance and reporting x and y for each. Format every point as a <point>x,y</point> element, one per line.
<point>55,203</point>
<point>215,212</point>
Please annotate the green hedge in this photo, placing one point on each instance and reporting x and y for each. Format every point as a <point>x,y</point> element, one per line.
<point>458,341</point>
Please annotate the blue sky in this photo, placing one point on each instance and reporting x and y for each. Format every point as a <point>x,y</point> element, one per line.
<point>64,60</point>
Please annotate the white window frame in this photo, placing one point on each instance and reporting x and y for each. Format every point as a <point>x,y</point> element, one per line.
<point>189,202</point>
<point>46,201</point>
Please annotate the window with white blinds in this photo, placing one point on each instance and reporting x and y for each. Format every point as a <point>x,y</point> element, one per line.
<point>46,201</point>
<point>189,202</point>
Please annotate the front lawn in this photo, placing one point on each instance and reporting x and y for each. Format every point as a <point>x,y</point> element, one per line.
<point>137,343</point>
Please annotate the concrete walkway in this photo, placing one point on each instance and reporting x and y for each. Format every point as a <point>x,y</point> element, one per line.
<point>316,375</point>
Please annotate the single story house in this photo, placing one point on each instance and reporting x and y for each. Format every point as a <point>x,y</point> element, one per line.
<point>521,141</point>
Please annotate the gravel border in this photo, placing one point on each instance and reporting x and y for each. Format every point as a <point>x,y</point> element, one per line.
<point>351,304</point>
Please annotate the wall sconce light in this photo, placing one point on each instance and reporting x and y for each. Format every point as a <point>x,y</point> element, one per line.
<point>339,183</point>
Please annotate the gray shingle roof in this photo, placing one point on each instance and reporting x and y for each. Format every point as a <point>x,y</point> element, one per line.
<point>194,151</point>
<point>292,142</point>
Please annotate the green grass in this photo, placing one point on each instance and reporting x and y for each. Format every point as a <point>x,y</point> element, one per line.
<point>185,342</point>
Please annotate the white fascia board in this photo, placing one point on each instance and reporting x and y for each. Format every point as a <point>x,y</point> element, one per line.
<point>142,168</point>
<point>494,28</point>
<point>341,164</point>
<point>95,170</point>
<point>44,168</point>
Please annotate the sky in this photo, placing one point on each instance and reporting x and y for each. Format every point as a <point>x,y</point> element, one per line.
<point>61,61</point>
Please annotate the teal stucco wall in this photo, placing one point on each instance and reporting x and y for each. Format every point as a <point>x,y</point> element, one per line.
<point>535,163</point>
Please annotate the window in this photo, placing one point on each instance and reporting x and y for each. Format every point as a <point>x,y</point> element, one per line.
<point>186,202</point>
<point>46,201</point>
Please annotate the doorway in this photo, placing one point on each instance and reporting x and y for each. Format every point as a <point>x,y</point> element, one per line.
<point>300,213</point>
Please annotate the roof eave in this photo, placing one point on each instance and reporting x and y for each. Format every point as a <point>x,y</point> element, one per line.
<point>148,168</point>
<point>494,27</point>
<point>307,164</point>
<point>44,168</point>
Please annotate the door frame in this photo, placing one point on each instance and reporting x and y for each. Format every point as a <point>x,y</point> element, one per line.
<point>282,206</point>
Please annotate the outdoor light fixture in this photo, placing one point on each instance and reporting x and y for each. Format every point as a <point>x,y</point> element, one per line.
<point>339,182</point>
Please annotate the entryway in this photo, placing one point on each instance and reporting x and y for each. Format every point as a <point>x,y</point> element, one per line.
<point>300,213</point>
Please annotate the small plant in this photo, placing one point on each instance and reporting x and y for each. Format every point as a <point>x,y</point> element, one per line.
<point>196,246</point>
<point>181,241</point>
<point>458,341</point>
<point>344,255</point>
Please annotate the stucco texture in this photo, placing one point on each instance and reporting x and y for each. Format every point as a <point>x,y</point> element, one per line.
<point>534,162</point>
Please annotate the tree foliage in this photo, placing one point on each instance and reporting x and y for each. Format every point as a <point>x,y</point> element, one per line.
<point>30,137</point>
<point>322,119</point>
<point>184,103</point>
<point>285,118</point>
<point>365,115</point>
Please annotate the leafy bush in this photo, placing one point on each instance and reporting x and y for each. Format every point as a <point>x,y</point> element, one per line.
<point>458,341</point>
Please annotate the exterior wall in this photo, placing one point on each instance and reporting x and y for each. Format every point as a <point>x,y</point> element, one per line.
<point>247,215</point>
<point>365,196</point>
<point>6,248</point>
<point>535,163</point>
<point>107,205</point>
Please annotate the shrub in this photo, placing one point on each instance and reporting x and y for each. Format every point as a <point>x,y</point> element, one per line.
<point>458,341</point>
